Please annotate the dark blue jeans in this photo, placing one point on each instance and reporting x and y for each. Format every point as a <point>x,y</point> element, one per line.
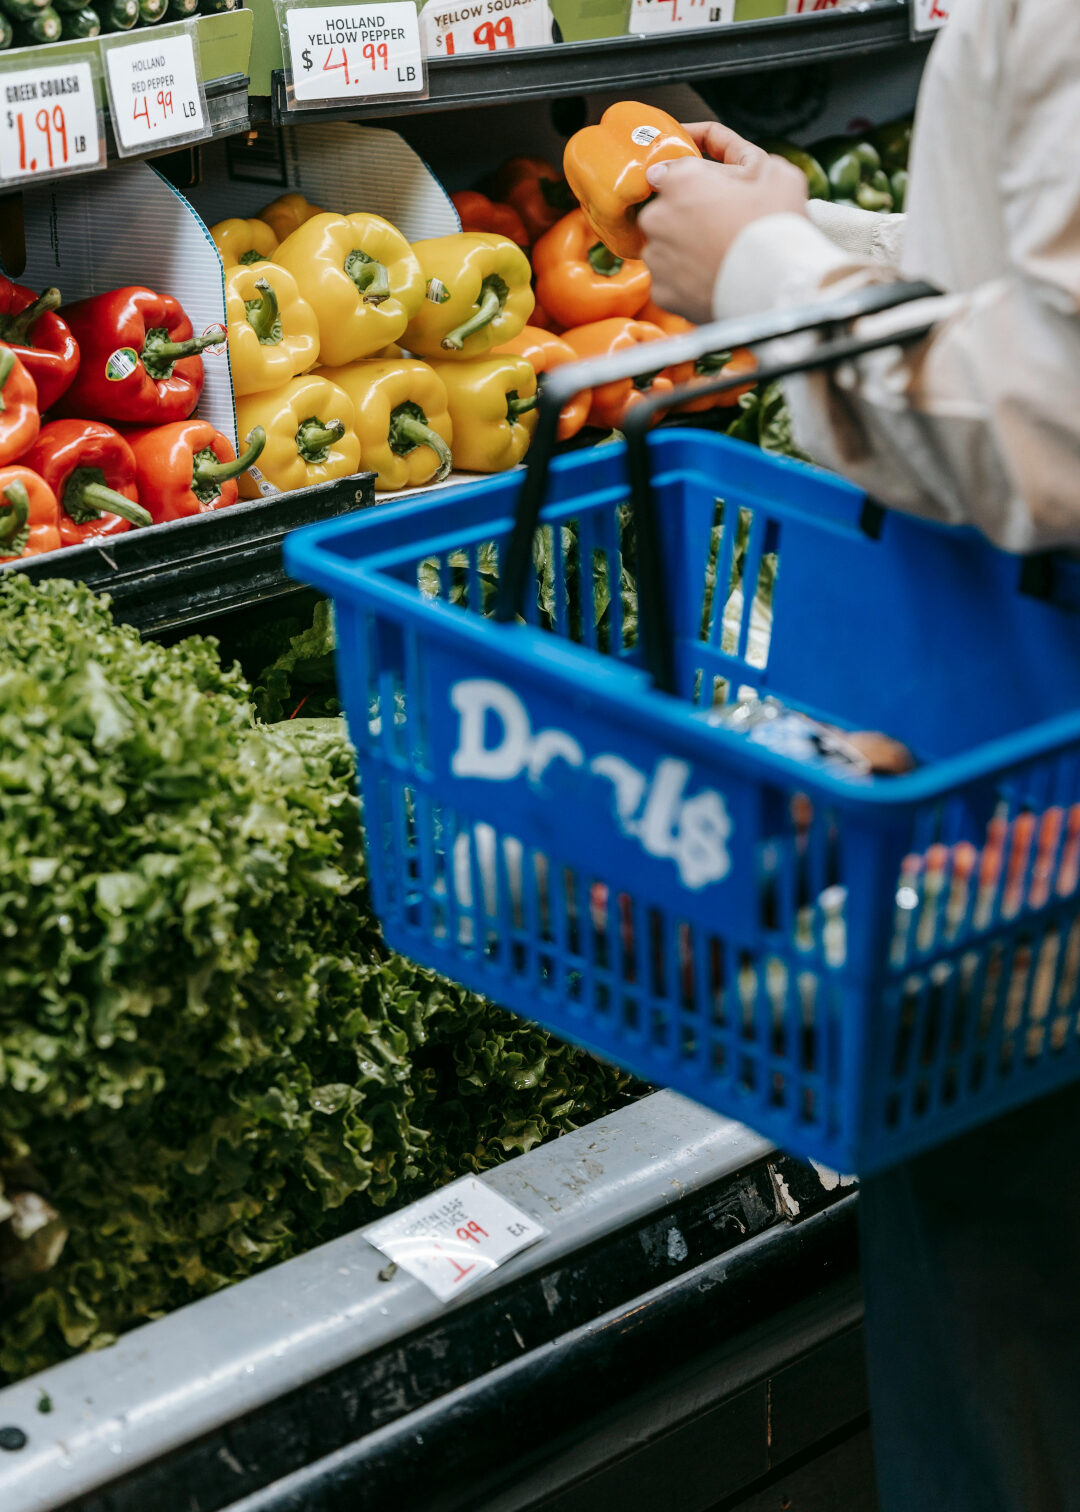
<point>971,1271</point>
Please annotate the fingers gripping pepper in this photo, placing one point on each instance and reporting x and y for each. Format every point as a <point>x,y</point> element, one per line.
<point>613,401</point>
<point>273,333</point>
<point>536,190</point>
<point>477,295</point>
<point>91,470</point>
<point>40,339</point>
<point>477,213</point>
<point>29,514</point>
<point>492,404</point>
<point>741,360</point>
<point>19,418</point>
<point>288,212</point>
<point>360,276</point>
<point>605,167</point>
<point>189,468</point>
<point>140,362</point>
<point>402,421</point>
<point>244,241</point>
<point>543,350</point>
<point>578,280</point>
<point>310,434</point>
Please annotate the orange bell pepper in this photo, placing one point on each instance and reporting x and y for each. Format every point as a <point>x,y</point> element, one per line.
<point>578,280</point>
<point>544,350</point>
<point>29,515</point>
<point>741,360</point>
<point>605,167</point>
<point>536,190</point>
<point>477,213</point>
<point>613,401</point>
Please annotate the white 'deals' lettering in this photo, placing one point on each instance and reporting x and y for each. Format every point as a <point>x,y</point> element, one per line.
<point>692,832</point>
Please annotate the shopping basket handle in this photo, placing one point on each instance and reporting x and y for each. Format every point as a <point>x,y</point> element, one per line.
<point>563,383</point>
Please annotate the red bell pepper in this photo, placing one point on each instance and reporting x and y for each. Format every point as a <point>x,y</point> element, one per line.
<point>477,213</point>
<point>91,470</point>
<point>29,514</point>
<point>189,468</point>
<point>19,418</point>
<point>140,362</point>
<point>41,340</point>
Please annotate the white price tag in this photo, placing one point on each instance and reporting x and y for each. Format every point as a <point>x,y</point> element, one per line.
<point>155,91</point>
<point>448,30</point>
<point>928,15</point>
<point>355,51</point>
<point>455,1237</point>
<point>48,120</point>
<point>651,16</point>
<point>812,7</point>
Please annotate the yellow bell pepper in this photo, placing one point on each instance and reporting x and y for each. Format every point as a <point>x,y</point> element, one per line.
<point>286,213</point>
<point>310,436</point>
<point>492,404</point>
<point>402,420</point>
<point>243,241</point>
<point>273,333</point>
<point>360,277</point>
<point>477,295</point>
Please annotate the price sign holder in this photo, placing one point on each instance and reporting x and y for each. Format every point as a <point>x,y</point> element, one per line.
<point>350,53</point>
<point>51,121</point>
<point>928,16</point>
<point>155,85</point>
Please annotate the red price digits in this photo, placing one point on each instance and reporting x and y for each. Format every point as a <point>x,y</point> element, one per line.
<point>164,104</point>
<point>488,34</point>
<point>47,123</point>
<point>377,56</point>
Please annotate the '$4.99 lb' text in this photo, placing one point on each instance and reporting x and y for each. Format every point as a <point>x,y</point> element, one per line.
<point>370,54</point>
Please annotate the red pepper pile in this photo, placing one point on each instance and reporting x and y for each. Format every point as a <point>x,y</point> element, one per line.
<point>126,359</point>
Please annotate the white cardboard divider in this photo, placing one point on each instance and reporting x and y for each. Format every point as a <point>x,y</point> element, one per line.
<point>339,166</point>
<point>130,226</point>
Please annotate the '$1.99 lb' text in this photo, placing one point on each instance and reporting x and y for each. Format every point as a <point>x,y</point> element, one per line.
<point>44,133</point>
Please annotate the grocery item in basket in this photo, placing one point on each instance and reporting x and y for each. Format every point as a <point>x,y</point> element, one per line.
<point>767,722</point>
<point>477,294</point>
<point>605,166</point>
<point>361,278</point>
<point>579,280</point>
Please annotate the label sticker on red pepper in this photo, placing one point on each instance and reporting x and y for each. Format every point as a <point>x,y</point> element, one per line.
<point>121,364</point>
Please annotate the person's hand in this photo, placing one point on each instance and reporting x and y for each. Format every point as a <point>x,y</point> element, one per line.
<point>701,205</point>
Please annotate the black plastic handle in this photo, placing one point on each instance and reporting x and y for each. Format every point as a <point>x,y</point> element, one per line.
<point>563,383</point>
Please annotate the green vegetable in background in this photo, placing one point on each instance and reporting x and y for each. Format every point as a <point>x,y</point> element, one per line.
<point>855,174</point>
<point>209,1061</point>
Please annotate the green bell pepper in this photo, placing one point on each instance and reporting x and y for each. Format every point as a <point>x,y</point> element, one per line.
<point>854,171</point>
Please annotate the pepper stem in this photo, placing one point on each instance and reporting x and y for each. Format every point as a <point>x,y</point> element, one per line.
<point>263,315</point>
<point>314,439</point>
<point>160,355</point>
<point>494,293</point>
<point>409,429</point>
<point>604,261</point>
<point>251,256</point>
<point>17,327</point>
<point>712,362</point>
<point>7,363</point>
<point>516,406</point>
<point>14,517</point>
<point>208,472</point>
<point>87,497</point>
<point>369,276</point>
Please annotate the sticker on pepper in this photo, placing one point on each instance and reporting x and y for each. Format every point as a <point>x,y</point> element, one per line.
<point>437,291</point>
<point>121,364</point>
<point>641,136</point>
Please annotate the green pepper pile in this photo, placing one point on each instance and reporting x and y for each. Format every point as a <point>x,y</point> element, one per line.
<point>29,23</point>
<point>868,172</point>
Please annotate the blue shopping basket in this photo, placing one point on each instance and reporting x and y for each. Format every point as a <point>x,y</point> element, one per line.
<point>858,967</point>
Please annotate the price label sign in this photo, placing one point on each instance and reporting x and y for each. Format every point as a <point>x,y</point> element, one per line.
<point>815,7</point>
<point>455,1237</point>
<point>49,121</point>
<point>651,16</point>
<point>451,30</point>
<point>928,15</point>
<point>352,52</point>
<point>155,88</point>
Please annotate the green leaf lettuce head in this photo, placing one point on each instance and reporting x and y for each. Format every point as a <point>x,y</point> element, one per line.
<point>209,1060</point>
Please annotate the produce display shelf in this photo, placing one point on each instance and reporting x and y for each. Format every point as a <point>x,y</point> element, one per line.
<point>628,63</point>
<point>172,576</point>
<point>674,1238</point>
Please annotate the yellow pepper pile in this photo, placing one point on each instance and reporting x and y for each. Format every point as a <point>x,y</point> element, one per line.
<point>323,312</point>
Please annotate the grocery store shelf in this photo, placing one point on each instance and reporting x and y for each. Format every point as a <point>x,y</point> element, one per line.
<point>170,576</point>
<point>628,63</point>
